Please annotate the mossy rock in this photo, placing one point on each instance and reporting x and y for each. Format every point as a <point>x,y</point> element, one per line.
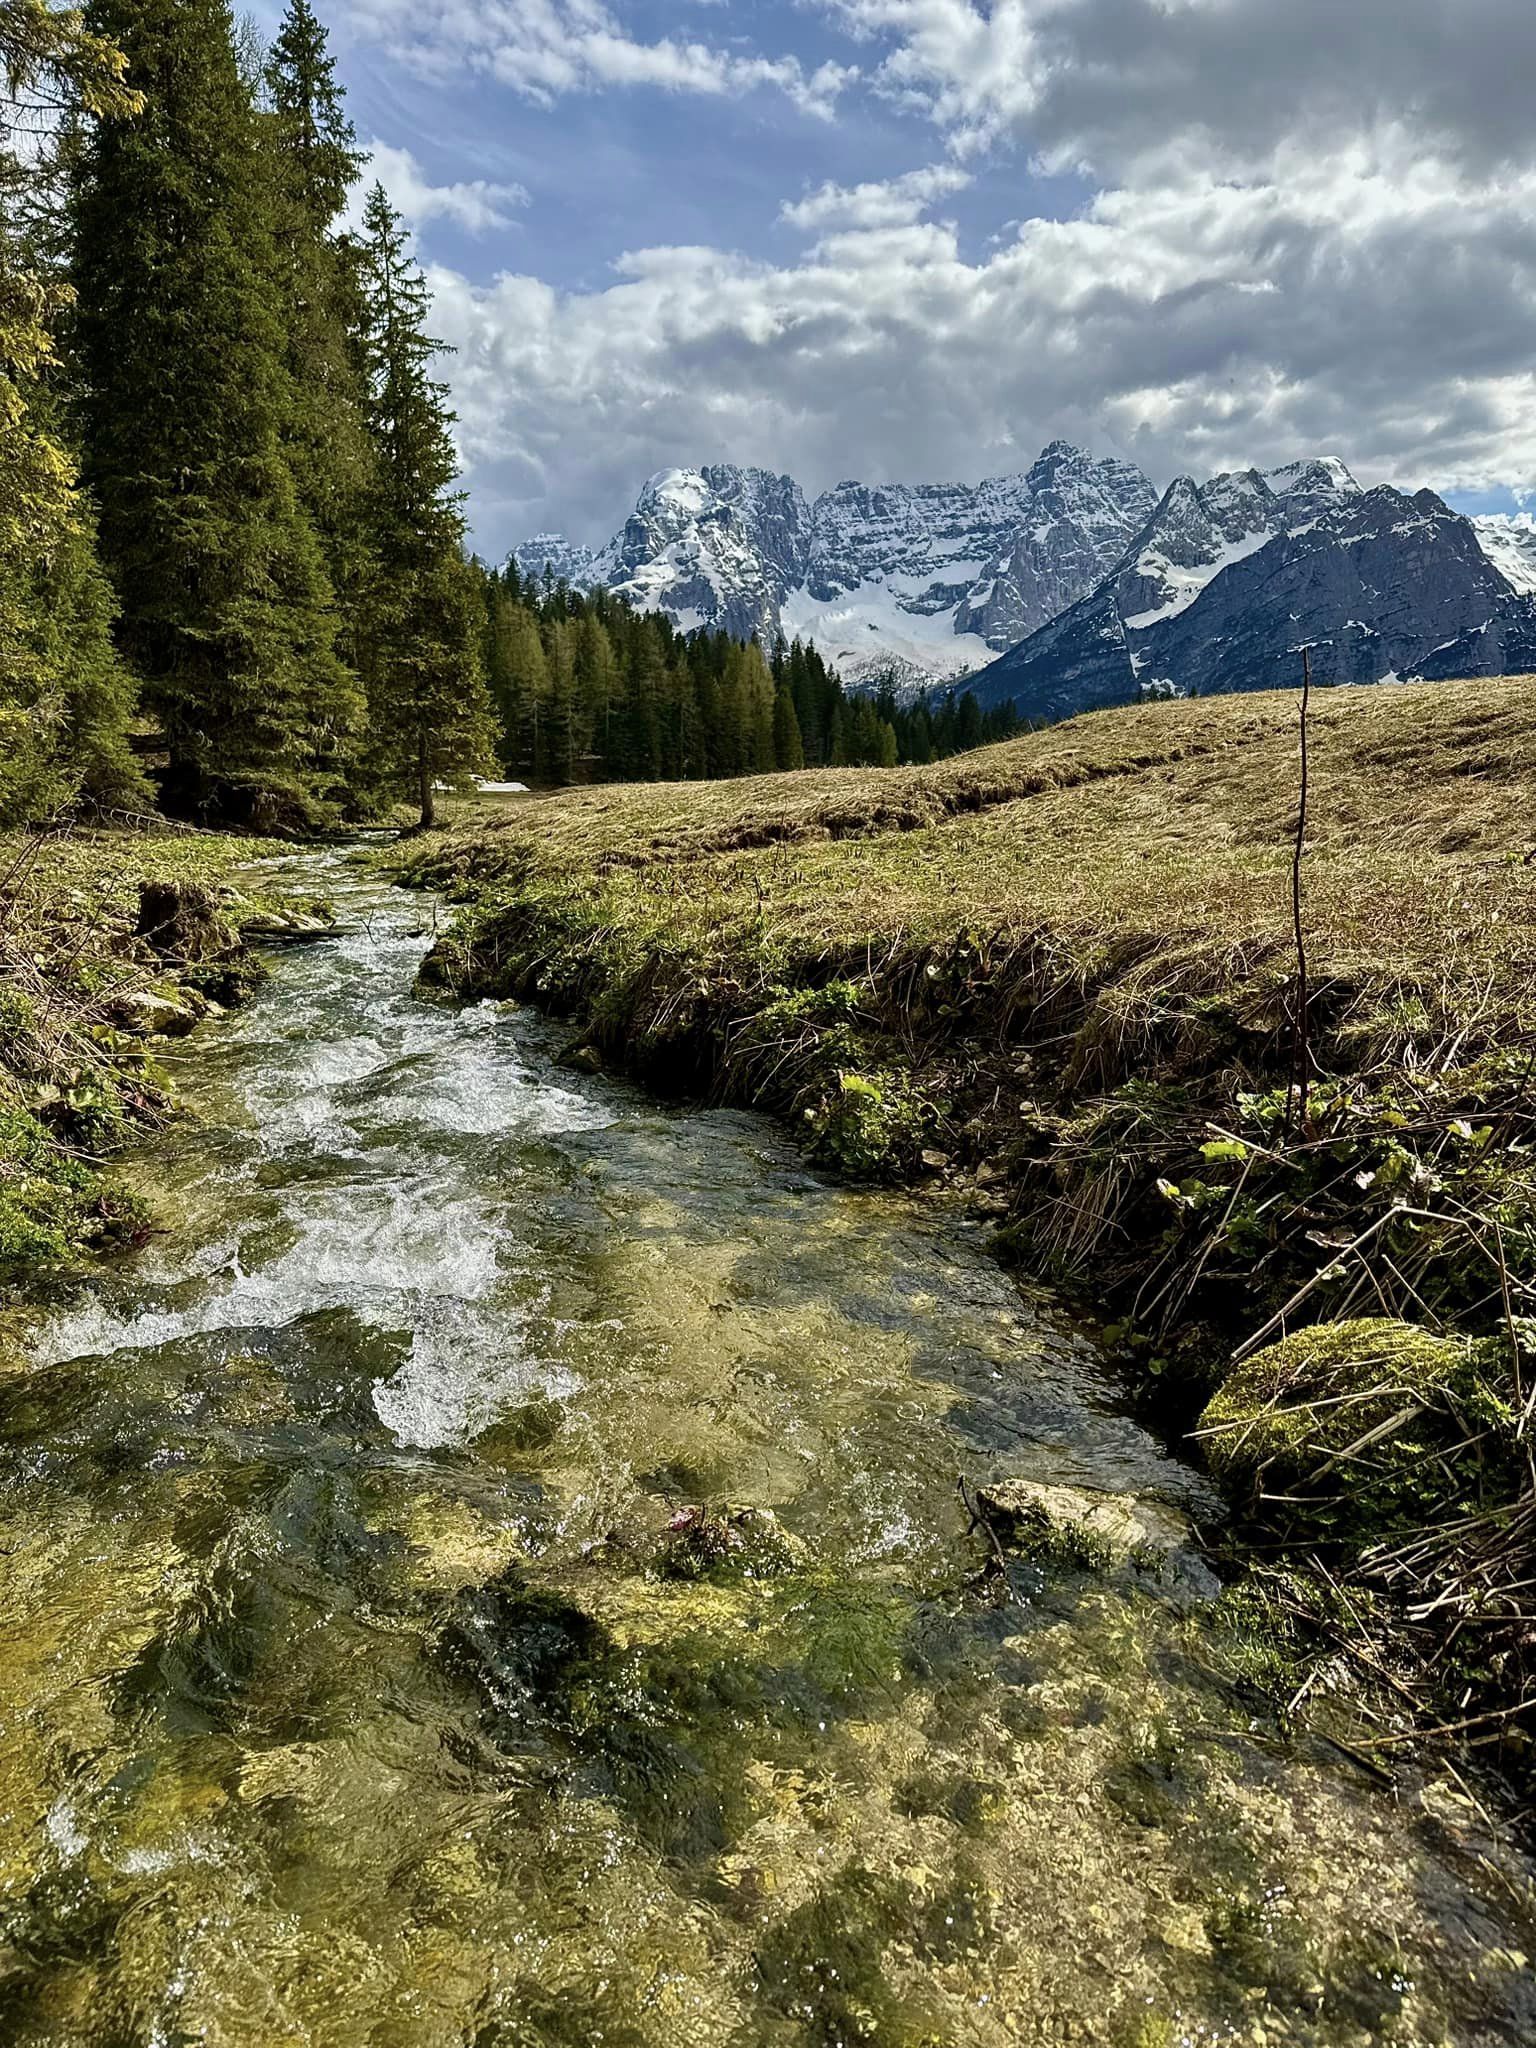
<point>1363,1426</point>
<point>1092,1530</point>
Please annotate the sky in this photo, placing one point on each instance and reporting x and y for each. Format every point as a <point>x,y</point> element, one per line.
<point>915,240</point>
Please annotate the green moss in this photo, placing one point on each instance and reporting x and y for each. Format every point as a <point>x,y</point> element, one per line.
<point>1353,1426</point>
<point>51,1204</point>
<point>825,1965</point>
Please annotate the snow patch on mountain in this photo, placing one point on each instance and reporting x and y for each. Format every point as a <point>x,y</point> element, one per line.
<point>1184,584</point>
<point>923,581</point>
<point>1508,539</point>
<point>871,634</point>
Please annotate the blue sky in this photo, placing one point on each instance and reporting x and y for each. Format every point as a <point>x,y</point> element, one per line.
<point>919,238</point>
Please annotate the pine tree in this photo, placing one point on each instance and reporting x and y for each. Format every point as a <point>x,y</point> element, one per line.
<point>225,608</point>
<point>311,149</point>
<point>515,677</point>
<point>597,684</point>
<point>558,733</point>
<point>419,645</point>
<point>788,750</point>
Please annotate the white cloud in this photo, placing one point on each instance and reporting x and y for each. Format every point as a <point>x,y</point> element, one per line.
<point>1375,302</point>
<point>892,203</point>
<point>1114,83</point>
<point>542,49</point>
<point>476,205</point>
<point>1311,226</point>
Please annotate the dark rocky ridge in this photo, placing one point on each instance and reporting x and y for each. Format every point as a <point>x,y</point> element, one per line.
<point>1377,585</point>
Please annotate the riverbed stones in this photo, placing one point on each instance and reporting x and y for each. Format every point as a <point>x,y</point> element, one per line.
<point>1074,1525</point>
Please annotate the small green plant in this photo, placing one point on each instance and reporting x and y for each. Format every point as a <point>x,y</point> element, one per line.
<point>872,1126</point>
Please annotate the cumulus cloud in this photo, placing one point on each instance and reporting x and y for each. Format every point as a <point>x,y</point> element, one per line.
<point>893,202</point>
<point>542,49</point>
<point>476,205</point>
<point>1189,325</point>
<point>1112,83</point>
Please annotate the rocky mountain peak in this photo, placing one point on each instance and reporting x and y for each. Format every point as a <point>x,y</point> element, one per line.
<point>928,580</point>
<point>1232,578</point>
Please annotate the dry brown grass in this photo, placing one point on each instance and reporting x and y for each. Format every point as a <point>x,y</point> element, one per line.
<point>1159,834</point>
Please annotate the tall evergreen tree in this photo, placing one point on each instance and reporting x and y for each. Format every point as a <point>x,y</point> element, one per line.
<point>65,699</point>
<point>312,150</point>
<point>420,646</point>
<point>226,609</point>
<point>788,749</point>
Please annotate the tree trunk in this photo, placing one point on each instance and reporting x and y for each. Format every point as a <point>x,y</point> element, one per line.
<point>424,785</point>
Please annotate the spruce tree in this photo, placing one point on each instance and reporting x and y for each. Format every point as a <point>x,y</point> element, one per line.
<point>597,683</point>
<point>65,698</point>
<point>419,645</point>
<point>789,752</point>
<point>312,151</point>
<point>226,611</point>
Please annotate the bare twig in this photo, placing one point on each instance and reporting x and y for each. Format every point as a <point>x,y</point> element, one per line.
<point>1301,1051</point>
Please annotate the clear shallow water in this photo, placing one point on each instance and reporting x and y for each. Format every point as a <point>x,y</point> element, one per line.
<point>357,1688</point>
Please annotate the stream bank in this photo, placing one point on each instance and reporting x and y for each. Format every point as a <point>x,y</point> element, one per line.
<point>1057,980</point>
<point>114,943</point>
<point>375,1665</point>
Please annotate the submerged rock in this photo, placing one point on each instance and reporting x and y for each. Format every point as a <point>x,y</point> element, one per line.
<point>582,1057</point>
<point>737,1543</point>
<point>1074,1525</point>
<point>287,927</point>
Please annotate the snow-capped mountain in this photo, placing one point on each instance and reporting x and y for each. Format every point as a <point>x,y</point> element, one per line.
<point>566,560</point>
<point>716,547</point>
<point>1200,529</point>
<point>1231,579</point>
<point>927,580</point>
<point>933,579</point>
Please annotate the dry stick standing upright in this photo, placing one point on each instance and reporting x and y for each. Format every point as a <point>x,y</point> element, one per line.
<point>1301,1047</point>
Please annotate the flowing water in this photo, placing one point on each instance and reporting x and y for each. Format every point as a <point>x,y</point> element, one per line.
<point>368,1675</point>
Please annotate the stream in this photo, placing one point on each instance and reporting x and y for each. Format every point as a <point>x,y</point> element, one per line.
<point>380,1662</point>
